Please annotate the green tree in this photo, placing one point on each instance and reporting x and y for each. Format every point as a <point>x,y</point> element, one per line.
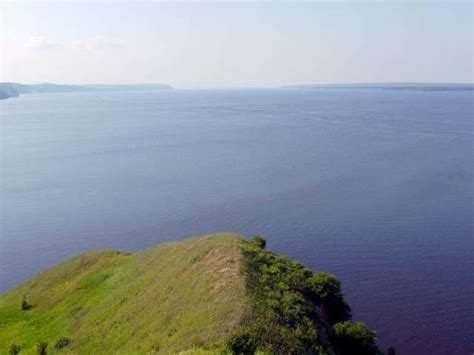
<point>324,285</point>
<point>242,342</point>
<point>259,242</point>
<point>326,291</point>
<point>354,338</point>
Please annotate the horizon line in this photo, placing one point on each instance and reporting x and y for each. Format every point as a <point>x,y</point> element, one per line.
<point>252,86</point>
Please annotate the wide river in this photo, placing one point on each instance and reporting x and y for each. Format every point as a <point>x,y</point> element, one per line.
<point>375,186</point>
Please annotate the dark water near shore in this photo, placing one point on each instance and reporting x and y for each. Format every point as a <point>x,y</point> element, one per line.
<point>374,186</point>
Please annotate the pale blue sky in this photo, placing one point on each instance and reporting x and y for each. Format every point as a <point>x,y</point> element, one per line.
<point>247,44</point>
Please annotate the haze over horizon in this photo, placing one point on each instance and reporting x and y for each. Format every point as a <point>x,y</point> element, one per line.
<point>202,45</point>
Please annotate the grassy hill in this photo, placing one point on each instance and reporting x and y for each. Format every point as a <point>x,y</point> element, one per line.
<point>211,294</point>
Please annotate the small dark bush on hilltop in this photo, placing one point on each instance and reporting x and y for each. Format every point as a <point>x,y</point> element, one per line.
<point>62,343</point>
<point>259,242</point>
<point>14,349</point>
<point>41,348</point>
<point>25,305</point>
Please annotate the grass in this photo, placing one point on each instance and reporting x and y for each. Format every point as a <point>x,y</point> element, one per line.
<point>206,295</point>
<point>177,297</point>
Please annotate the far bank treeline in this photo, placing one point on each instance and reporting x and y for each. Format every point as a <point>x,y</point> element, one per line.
<point>216,294</point>
<point>9,89</point>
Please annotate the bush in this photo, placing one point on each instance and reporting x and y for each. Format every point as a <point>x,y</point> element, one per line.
<point>282,314</point>
<point>259,242</point>
<point>62,343</point>
<point>326,290</point>
<point>354,338</point>
<point>24,304</point>
<point>41,348</point>
<point>289,305</point>
<point>14,349</point>
<point>242,342</point>
<point>324,285</point>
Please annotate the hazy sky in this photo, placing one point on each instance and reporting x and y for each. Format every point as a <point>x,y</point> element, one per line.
<point>236,44</point>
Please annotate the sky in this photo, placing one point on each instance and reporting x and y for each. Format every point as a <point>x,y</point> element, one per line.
<point>236,44</point>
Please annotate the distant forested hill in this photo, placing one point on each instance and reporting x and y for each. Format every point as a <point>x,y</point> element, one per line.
<point>8,89</point>
<point>127,87</point>
<point>388,86</point>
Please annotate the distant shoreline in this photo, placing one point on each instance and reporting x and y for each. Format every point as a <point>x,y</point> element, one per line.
<point>388,86</point>
<point>9,90</point>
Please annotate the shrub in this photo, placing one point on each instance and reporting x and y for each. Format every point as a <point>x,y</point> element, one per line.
<point>14,349</point>
<point>285,299</point>
<point>259,242</point>
<point>282,314</point>
<point>324,285</point>
<point>24,304</point>
<point>62,342</point>
<point>354,338</point>
<point>41,348</point>
<point>242,342</point>
<point>326,290</point>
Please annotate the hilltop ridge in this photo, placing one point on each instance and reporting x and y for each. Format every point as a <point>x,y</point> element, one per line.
<point>211,294</point>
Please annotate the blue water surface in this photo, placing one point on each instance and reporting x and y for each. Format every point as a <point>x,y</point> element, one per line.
<point>375,186</point>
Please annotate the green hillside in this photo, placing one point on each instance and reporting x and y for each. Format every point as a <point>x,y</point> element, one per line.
<point>211,294</point>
